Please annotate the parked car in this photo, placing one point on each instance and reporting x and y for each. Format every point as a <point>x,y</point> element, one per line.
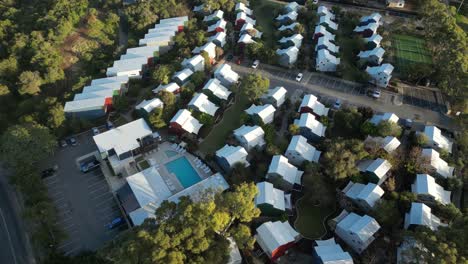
<point>95,131</point>
<point>315,2</point>
<point>109,125</point>
<point>47,173</point>
<point>337,104</point>
<point>299,77</point>
<point>71,141</point>
<point>116,223</point>
<point>376,93</point>
<point>229,57</point>
<point>63,143</point>
<point>89,166</point>
<point>407,123</point>
<point>255,64</point>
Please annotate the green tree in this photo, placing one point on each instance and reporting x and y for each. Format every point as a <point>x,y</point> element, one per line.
<point>294,129</point>
<point>341,157</point>
<point>243,237</point>
<point>386,128</point>
<point>227,5</point>
<point>387,214</point>
<point>26,144</point>
<point>254,85</point>
<point>156,118</point>
<point>205,119</point>
<point>169,100</point>
<point>189,231</point>
<point>4,90</point>
<point>254,50</point>
<point>206,56</point>
<point>198,78</point>
<point>347,124</point>
<point>415,163</point>
<point>448,212</point>
<point>162,74</point>
<point>405,200</point>
<point>446,245</point>
<point>421,139</point>
<point>368,128</point>
<point>239,203</point>
<point>56,116</point>
<point>29,83</point>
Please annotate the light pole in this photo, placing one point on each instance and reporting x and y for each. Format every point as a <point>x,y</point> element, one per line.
<point>458,9</point>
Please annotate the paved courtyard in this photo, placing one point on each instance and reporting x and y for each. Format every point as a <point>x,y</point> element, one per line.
<point>83,200</point>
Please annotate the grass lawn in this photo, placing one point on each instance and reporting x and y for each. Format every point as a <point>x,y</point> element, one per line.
<point>144,165</point>
<point>409,50</point>
<point>313,208</point>
<point>263,10</point>
<point>216,138</point>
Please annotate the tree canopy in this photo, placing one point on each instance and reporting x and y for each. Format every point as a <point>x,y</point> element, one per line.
<point>341,157</point>
<point>189,231</point>
<point>29,83</point>
<point>26,144</point>
<point>254,85</point>
<point>446,245</point>
<point>448,44</point>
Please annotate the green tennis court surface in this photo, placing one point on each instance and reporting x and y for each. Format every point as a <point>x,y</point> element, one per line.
<point>410,50</point>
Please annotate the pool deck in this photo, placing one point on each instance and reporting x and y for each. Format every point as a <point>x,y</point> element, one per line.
<point>159,158</point>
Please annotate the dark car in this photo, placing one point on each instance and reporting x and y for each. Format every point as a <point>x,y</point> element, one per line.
<point>89,166</point>
<point>63,143</point>
<point>229,57</point>
<point>109,125</point>
<point>48,172</point>
<point>119,221</point>
<point>337,104</point>
<point>71,141</point>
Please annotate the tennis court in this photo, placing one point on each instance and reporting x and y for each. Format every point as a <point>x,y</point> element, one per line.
<point>410,50</point>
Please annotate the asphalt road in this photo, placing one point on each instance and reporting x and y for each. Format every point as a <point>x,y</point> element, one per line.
<point>349,95</point>
<point>12,236</point>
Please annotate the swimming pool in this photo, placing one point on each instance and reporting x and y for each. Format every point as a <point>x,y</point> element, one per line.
<point>184,171</point>
<point>170,153</point>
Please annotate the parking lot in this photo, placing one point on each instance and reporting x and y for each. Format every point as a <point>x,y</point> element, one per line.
<point>83,200</point>
<point>410,95</point>
<point>423,98</point>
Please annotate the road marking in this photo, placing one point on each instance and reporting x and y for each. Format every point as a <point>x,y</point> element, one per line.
<point>66,244</point>
<point>49,183</point>
<point>102,188</point>
<point>110,216</point>
<point>59,199</point>
<point>73,250</point>
<point>56,193</point>
<point>66,219</point>
<point>104,201</point>
<point>69,226</point>
<point>100,195</point>
<point>9,238</point>
<point>96,183</point>
<point>108,210</point>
